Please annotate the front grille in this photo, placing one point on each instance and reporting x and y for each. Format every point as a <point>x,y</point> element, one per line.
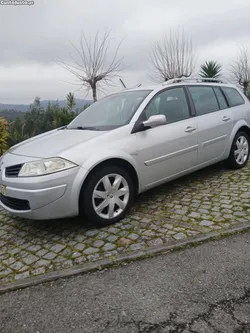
<point>13,203</point>
<point>13,170</point>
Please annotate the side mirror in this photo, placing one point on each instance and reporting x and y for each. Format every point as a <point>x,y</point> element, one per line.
<point>155,121</point>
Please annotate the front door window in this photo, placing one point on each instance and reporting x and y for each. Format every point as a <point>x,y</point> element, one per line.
<point>172,103</point>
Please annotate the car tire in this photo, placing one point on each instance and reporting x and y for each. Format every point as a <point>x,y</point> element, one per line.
<point>239,153</point>
<point>115,199</point>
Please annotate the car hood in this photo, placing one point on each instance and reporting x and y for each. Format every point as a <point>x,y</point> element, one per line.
<point>53,143</point>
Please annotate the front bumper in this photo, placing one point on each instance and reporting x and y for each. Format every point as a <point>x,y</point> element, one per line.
<point>49,197</point>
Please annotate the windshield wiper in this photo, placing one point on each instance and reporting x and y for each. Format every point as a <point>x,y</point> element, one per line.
<point>90,128</point>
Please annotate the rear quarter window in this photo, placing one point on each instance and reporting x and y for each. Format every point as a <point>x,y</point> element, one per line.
<point>233,96</point>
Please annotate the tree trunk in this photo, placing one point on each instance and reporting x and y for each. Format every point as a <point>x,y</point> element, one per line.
<point>245,87</point>
<point>94,92</point>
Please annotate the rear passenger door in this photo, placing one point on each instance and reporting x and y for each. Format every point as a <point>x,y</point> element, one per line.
<point>214,122</point>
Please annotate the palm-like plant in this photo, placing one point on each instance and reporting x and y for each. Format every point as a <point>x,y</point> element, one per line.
<point>211,69</point>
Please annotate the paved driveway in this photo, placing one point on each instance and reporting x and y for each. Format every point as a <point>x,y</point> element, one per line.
<point>196,290</point>
<point>212,199</point>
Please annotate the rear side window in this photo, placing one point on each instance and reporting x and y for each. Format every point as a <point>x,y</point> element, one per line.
<point>233,96</point>
<point>204,99</point>
<point>221,98</point>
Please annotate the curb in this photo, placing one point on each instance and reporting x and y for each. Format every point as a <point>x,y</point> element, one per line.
<point>122,258</point>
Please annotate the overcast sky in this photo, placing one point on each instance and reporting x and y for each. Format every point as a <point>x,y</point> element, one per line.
<point>32,37</point>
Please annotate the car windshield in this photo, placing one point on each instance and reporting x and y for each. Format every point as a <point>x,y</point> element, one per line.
<point>110,112</point>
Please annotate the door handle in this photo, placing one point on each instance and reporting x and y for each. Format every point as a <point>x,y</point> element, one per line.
<point>225,118</point>
<point>190,129</point>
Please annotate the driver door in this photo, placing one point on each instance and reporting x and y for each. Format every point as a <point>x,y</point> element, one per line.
<point>166,151</point>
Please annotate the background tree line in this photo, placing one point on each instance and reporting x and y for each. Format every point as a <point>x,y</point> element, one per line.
<point>36,120</point>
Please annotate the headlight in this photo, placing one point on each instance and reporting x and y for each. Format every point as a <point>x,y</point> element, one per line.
<point>45,167</point>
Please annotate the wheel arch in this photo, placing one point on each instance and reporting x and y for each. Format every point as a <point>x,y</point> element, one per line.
<point>239,126</point>
<point>117,161</point>
<point>245,129</point>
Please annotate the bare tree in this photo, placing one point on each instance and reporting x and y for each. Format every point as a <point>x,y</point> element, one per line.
<point>241,69</point>
<point>93,64</point>
<point>172,57</point>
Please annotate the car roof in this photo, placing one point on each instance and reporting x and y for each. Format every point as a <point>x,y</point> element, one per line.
<point>158,87</point>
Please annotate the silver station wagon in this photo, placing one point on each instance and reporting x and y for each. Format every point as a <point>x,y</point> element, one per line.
<point>123,145</point>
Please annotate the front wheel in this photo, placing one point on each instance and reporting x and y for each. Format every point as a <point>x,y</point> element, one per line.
<point>239,153</point>
<point>108,195</point>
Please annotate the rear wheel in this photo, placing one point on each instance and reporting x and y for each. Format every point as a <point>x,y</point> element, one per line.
<point>108,195</point>
<point>239,154</point>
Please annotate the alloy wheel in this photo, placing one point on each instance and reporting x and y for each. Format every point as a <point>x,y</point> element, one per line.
<point>110,196</point>
<point>241,150</point>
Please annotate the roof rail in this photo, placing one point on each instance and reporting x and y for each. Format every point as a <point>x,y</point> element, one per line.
<point>196,79</point>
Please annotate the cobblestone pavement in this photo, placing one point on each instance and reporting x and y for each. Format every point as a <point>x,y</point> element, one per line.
<point>208,200</point>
